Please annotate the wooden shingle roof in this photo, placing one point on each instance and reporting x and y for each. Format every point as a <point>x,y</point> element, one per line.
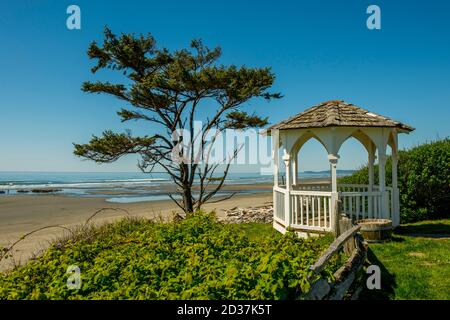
<point>338,113</point>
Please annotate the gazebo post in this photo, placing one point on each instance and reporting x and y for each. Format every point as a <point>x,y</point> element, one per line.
<point>395,191</point>
<point>371,161</point>
<point>333,158</point>
<point>382,181</point>
<point>294,169</point>
<point>287,195</point>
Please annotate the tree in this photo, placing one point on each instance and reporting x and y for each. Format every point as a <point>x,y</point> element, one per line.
<point>167,89</point>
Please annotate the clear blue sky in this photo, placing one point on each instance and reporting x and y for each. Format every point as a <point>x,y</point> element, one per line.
<point>318,51</point>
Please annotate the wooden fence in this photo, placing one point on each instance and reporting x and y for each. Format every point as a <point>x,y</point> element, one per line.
<point>353,245</point>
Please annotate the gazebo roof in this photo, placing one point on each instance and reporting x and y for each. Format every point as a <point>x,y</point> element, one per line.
<point>338,113</point>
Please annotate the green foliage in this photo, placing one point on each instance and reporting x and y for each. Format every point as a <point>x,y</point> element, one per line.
<point>197,258</point>
<point>423,180</point>
<point>242,120</point>
<point>111,146</point>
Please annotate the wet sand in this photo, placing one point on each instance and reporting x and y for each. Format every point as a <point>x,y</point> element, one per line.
<point>20,214</point>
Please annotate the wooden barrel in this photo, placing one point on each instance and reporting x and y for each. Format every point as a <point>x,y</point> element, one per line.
<point>376,230</point>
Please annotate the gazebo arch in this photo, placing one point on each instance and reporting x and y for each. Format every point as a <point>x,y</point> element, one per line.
<point>311,207</point>
<point>305,138</point>
<point>297,148</point>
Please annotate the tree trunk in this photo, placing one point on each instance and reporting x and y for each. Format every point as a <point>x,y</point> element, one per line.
<point>187,200</point>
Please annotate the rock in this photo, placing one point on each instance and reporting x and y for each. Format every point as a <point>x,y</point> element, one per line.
<point>260,214</point>
<point>45,190</point>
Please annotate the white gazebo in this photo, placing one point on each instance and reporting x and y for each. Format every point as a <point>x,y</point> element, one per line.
<point>311,208</point>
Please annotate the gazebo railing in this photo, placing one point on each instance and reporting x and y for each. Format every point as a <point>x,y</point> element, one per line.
<point>313,187</point>
<point>278,205</point>
<point>311,208</point>
<point>360,203</point>
<point>346,187</point>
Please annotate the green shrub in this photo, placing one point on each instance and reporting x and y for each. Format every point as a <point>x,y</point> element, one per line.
<point>197,258</point>
<point>423,181</point>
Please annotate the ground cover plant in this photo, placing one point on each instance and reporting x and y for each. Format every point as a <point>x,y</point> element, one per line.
<point>197,258</point>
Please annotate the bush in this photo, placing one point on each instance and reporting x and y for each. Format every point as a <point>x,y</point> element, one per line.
<point>197,258</point>
<point>423,181</point>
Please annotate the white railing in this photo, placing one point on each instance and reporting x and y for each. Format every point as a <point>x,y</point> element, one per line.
<point>344,187</point>
<point>311,210</point>
<point>278,205</point>
<point>312,187</point>
<point>360,203</point>
<point>311,207</point>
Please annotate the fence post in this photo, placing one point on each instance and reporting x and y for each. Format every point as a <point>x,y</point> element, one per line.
<point>346,224</point>
<point>336,216</point>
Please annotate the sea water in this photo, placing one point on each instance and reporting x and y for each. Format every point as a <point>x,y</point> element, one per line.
<point>125,186</point>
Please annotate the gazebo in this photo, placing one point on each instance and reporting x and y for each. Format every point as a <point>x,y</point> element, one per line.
<point>312,208</point>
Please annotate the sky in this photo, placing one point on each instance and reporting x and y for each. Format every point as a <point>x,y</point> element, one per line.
<point>318,50</point>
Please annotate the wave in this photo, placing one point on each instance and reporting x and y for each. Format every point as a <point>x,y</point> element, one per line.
<point>81,185</point>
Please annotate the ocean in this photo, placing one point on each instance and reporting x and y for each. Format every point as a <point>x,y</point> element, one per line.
<point>118,186</point>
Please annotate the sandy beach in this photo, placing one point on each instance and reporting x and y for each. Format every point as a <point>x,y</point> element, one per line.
<point>20,214</point>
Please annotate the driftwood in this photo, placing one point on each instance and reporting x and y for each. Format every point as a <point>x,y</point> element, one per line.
<point>354,245</point>
<point>333,249</point>
<point>345,224</point>
<point>244,215</point>
<point>318,290</point>
<point>346,275</point>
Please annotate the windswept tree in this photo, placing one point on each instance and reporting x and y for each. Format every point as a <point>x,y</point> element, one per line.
<point>171,90</point>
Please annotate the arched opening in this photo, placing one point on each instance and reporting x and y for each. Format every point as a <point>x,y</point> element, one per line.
<point>312,159</point>
<point>353,156</point>
<point>388,166</point>
<point>390,149</point>
<point>359,195</point>
<point>281,167</point>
